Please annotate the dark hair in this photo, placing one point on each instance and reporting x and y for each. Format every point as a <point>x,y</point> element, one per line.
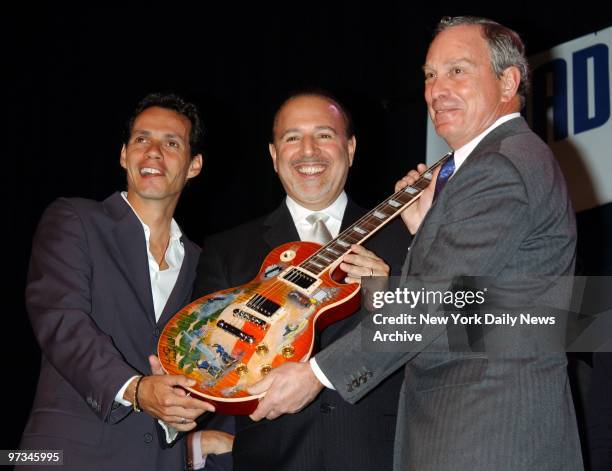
<point>505,46</point>
<point>173,102</point>
<point>320,93</point>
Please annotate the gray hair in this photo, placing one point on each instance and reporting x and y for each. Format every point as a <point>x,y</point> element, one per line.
<point>505,46</point>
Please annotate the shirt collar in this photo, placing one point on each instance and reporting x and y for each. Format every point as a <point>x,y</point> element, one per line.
<point>175,231</point>
<point>464,151</point>
<point>334,210</point>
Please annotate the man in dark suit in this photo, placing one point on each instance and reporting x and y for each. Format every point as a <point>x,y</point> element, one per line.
<point>504,213</point>
<point>104,279</point>
<point>312,150</point>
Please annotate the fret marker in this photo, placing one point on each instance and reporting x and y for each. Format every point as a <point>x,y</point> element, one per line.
<point>428,175</point>
<point>335,252</point>
<point>411,190</point>
<point>359,230</point>
<point>380,215</point>
<point>395,204</point>
<point>342,243</point>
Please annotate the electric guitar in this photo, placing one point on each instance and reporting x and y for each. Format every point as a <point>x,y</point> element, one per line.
<point>230,339</point>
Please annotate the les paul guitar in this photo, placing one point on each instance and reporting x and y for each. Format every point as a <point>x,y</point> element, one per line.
<point>229,340</point>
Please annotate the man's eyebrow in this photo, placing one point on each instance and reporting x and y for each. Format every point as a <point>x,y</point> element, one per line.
<point>451,62</point>
<point>146,132</point>
<point>322,127</point>
<point>325,127</point>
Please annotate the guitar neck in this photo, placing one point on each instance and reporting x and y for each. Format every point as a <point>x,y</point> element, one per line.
<point>369,224</point>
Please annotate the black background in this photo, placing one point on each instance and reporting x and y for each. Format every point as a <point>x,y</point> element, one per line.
<point>75,73</point>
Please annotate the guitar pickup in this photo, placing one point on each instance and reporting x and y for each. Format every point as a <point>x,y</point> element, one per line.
<point>263,325</point>
<point>299,278</point>
<point>263,305</point>
<point>235,331</point>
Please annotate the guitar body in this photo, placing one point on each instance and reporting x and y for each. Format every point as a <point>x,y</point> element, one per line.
<point>230,339</point>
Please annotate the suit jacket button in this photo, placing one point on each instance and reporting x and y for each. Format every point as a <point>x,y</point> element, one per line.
<point>148,438</point>
<point>156,332</point>
<point>326,408</point>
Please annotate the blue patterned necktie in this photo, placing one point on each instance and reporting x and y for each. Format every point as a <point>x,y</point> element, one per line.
<point>446,171</point>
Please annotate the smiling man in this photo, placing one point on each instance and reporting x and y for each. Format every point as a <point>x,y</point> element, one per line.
<point>312,150</point>
<point>104,279</point>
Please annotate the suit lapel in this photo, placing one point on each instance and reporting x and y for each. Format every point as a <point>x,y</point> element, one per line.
<point>279,227</point>
<point>351,214</point>
<point>490,143</point>
<point>184,283</point>
<point>130,251</point>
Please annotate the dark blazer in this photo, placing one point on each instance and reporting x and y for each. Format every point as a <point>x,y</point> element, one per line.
<point>329,433</point>
<point>90,303</point>
<point>506,214</point>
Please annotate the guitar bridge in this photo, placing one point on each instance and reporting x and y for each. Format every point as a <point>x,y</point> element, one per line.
<point>263,325</point>
<point>235,331</point>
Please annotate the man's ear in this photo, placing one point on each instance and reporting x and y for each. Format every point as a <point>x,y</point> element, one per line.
<point>123,157</point>
<point>352,146</point>
<point>510,81</point>
<point>195,166</point>
<point>272,150</point>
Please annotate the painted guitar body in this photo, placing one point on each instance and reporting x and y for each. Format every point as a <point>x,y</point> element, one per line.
<point>230,339</point>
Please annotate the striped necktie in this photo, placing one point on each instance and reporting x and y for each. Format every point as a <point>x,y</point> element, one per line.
<point>448,167</point>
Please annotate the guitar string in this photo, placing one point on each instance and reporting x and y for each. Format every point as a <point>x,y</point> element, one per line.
<point>277,287</point>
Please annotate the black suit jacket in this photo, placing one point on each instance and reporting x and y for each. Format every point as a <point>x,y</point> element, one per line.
<point>329,433</point>
<point>89,299</point>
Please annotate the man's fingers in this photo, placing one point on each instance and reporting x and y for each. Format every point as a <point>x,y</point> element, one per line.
<point>156,366</point>
<point>263,410</point>
<point>262,385</point>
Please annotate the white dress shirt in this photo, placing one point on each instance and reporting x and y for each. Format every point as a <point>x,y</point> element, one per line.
<point>162,284</point>
<point>335,211</point>
<point>460,155</point>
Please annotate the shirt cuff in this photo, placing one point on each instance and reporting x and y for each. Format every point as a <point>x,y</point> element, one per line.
<point>319,374</point>
<point>171,432</point>
<point>194,448</point>
<point>119,396</point>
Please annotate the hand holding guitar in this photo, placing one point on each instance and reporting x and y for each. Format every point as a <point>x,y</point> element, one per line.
<point>164,397</point>
<point>290,388</point>
<point>414,214</point>
<point>360,262</point>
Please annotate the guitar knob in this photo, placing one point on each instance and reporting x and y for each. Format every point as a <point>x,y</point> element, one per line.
<point>241,369</point>
<point>288,351</point>
<point>262,349</point>
<point>265,369</point>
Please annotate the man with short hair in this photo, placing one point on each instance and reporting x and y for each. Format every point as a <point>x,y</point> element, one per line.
<point>312,149</point>
<point>501,211</point>
<point>104,279</point>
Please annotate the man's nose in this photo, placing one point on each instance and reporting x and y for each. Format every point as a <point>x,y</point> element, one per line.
<point>437,87</point>
<point>309,145</point>
<point>153,151</point>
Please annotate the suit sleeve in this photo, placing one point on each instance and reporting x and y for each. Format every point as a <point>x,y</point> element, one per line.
<point>59,304</point>
<point>482,225</point>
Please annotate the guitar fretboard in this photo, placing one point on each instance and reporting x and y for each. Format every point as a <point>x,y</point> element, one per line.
<point>370,223</point>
